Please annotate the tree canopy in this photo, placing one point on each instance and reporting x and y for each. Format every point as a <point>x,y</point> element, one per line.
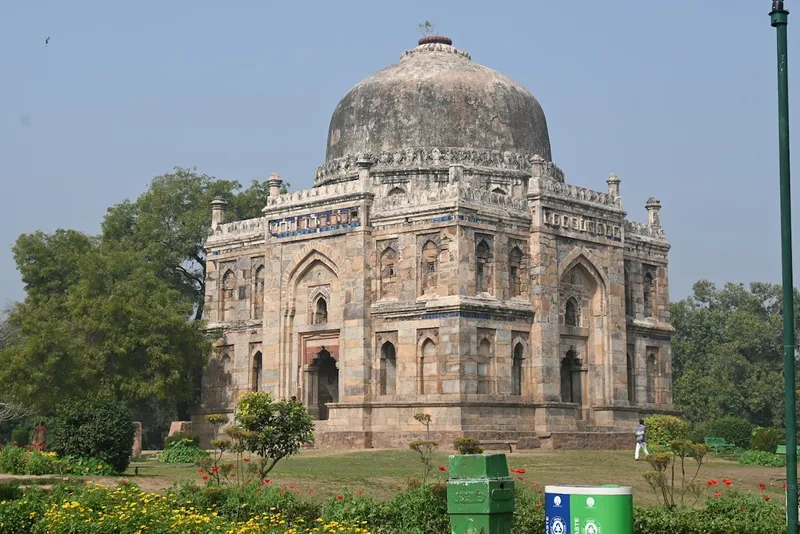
<point>113,314</point>
<point>727,353</point>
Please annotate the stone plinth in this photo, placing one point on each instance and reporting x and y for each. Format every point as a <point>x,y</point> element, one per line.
<point>180,426</point>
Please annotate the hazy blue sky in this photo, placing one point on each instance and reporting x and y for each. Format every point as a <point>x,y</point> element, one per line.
<point>678,98</point>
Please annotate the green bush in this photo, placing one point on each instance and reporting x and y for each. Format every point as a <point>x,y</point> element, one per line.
<point>764,458</point>
<point>467,446</point>
<point>735,430</point>
<point>20,436</point>
<point>661,429</point>
<point>99,428</point>
<point>180,436</point>
<point>10,491</point>
<point>764,439</point>
<point>184,451</point>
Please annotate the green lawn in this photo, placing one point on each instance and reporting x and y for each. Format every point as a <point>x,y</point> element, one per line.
<point>382,472</point>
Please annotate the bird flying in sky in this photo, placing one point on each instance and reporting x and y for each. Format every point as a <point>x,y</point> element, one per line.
<point>47,40</point>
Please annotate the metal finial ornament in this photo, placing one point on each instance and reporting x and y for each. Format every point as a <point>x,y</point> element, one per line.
<point>777,5</point>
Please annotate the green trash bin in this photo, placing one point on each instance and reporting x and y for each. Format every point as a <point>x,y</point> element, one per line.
<point>480,494</point>
<point>588,509</point>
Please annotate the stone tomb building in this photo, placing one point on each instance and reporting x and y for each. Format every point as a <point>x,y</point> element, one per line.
<point>442,264</point>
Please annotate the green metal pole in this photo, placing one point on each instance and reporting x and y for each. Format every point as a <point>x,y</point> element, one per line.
<point>779,19</point>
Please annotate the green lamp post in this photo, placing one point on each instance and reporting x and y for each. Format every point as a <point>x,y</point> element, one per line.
<point>779,20</point>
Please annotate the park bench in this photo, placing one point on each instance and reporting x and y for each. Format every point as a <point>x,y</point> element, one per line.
<point>782,450</point>
<point>718,444</point>
<point>500,444</point>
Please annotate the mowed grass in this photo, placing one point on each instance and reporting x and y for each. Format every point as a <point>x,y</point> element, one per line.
<point>383,472</point>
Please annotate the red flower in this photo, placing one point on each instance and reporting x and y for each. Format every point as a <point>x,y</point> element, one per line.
<point>709,483</point>
<point>339,497</point>
<point>538,505</point>
<point>741,508</point>
<point>233,475</point>
<point>714,481</point>
<point>718,494</point>
<point>249,480</point>
<point>205,477</point>
<point>442,468</point>
<point>727,482</point>
<point>214,469</point>
<point>762,487</point>
<point>201,472</point>
<point>359,492</point>
<point>291,487</point>
<point>521,471</point>
<point>766,498</point>
<point>784,485</point>
<point>283,491</point>
<point>265,482</point>
<point>310,492</point>
<point>246,459</point>
<point>519,478</point>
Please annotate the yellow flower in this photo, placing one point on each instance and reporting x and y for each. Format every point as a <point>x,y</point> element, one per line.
<point>99,466</point>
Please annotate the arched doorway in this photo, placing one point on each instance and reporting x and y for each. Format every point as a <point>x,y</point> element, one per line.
<point>327,382</point>
<point>256,378</point>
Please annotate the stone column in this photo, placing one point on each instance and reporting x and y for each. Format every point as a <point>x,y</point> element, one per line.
<point>653,207</point>
<point>274,181</point>
<point>613,185</point>
<point>218,209</point>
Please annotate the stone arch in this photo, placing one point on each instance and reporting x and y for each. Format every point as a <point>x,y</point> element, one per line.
<point>589,259</point>
<point>396,191</point>
<point>306,256</point>
<point>256,368</point>
<point>320,309</point>
<point>499,191</point>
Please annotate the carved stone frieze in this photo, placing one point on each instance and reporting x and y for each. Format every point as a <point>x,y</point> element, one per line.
<point>581,224</point>
<point>449,192</point>
<point>550,187</point>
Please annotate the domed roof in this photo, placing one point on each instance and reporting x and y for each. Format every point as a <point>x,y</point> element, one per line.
<point>436,96</point>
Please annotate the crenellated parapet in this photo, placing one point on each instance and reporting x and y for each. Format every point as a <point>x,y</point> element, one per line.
<point>237,230</point>
<point>325,194</point>
<point>432,158</point>
<point>637,229</point>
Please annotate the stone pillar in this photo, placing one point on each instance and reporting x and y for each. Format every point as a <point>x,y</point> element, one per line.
<point>363,165</point>
<point>218,208</point>
<point>613,185</point>
<point>653,207</point>
<point>136,451</point>
<point>274,181</point>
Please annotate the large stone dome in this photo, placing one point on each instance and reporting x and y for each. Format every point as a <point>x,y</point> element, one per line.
<point>437,97</point>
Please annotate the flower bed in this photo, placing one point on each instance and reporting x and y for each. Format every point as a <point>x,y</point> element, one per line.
<point>264,507</point>
<point>31,461</point>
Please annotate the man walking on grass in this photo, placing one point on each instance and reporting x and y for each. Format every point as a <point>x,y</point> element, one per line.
<point>641,442</point>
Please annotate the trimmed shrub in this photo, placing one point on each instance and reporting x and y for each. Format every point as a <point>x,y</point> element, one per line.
<point>95,428</point>
<point>764,439</point>
<point>763,458</point>
<point>183,451</point>
<point>735,430</point>
<point>467,446</point>
<point>180,436</point>
<point>661,429</point>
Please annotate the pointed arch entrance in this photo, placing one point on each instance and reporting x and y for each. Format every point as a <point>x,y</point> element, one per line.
<point>323,382</point>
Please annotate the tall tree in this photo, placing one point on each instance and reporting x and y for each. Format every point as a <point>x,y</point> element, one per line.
<point>169,222</point>
<point>728,352</point>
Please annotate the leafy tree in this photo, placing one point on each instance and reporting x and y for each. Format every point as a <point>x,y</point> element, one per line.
<point>104,323</point>
<point>272,429</point>
<point>169,222</point>
<point>728,353</point>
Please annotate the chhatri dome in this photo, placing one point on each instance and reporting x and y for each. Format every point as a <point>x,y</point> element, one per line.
<point>437,97</point>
